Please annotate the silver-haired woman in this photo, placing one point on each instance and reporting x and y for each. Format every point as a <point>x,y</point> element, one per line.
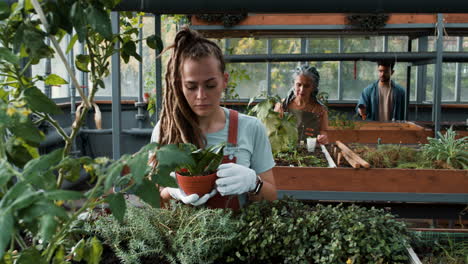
<point>302,102</point>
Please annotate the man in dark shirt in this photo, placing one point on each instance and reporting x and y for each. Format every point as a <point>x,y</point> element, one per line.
<point>383,100</point>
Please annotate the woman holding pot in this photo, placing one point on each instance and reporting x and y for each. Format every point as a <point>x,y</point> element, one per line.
<point>195,81</point>
<point>301,101</point>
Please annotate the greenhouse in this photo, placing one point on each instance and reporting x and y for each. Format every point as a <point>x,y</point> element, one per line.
<point>233,132</point>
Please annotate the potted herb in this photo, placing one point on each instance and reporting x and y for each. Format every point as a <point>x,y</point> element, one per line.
<point>198,175</point>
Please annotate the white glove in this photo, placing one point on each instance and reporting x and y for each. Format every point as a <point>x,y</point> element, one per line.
<point>192,199</point>
<point>235,179</point>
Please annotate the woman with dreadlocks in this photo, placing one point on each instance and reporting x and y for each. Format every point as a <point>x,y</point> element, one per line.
<point>301,101</point>
<point>195,81</point>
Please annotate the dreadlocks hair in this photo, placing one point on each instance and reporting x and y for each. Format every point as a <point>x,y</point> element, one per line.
<point>179,124</point>
<point>310,72</point>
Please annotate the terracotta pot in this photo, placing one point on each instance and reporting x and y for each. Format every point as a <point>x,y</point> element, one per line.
<point>196,184</point>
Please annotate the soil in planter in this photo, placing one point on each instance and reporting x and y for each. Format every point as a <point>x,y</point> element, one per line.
<point>386,156</point>
<point>302,158</point>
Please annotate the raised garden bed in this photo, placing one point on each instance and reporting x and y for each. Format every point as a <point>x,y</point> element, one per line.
<point>384,132</point>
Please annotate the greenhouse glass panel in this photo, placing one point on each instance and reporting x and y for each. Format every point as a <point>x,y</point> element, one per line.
<point>59,68</point>
<point>282,77</point>
<point>240,46</point>
<point>286,45</point>
<point>448,82</point>
<point>450,43</point>
<point>39,69</point>
<point>397,43</point>
<point>464,83</point>
<point>328,71</point>
<point>465,43</point>
<point>363,44</point>
<point>323,45</point>
<point>354,82</point>
<point>254,84</point>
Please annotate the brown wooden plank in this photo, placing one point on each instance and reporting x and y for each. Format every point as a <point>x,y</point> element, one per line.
<point>371,180</point>
<point>352,155</point>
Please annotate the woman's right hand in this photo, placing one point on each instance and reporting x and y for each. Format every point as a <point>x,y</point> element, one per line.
<point>192,199</point>
<point>322,139</point>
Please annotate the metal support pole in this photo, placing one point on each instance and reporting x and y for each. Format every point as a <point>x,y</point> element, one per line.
<point>84,75</point>
<point>438,75</point>
<point>340,70</point>
<point>408,86</point>
<point>458,73</point>
<point>140,105</point>
<point>116,92</point>
<point>268,71</point>
<point>158,81</point>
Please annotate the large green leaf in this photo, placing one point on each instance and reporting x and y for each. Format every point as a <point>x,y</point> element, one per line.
<point>38,101</point>
<point>72,43</point>
<point>6,225</point>
<point>25,199</point>
<point>149,193</point>
<point>17,190</point>
<point>112,173</point>
<point>82,62</point>
<point>138,166</point>
<point>7,55</point>
<point>41,207</point>
<point>17,153</point>
<point>31,256</point>
<point>6,172</point>
<point>48,225</point>
<point>63,195</point>
<point>155,43</point>
<point>163,177</point>
<point>99,21</point>
<point>171,156</point>
<point>54,79</point>
<point>37,171</point>
<point>93,251</point>
<point>27,131</point>
<point>117,205</point>
<point>4,13</point>
<point>78,18</point>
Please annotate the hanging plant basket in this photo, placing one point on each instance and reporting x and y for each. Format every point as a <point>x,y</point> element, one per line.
<point>367,22</point>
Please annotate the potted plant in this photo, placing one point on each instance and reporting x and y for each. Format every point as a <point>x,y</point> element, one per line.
<point>199,174</point>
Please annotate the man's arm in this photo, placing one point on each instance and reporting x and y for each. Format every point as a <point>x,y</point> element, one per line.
<point>363,103</point>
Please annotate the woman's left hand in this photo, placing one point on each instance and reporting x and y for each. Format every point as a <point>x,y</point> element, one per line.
<point>322,139</point>
<point>235,179</point>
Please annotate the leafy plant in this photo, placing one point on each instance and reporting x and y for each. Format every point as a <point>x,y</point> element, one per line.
<point>340,120</point>
<point>447,151</point>
<point>391,156</point>
<point>301,157</point>
<point>180,234</point>
<point>36,226</point>
<point>282,130</point>
<point>287,231</point>
<point>200,161</point>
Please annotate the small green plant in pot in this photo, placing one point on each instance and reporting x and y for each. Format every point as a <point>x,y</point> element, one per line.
<point>199,175</point>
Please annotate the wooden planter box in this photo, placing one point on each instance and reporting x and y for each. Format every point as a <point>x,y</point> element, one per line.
<point>370,132</point>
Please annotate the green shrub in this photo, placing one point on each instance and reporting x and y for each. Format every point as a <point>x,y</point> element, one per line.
<point>287,231</point>
<point>181,234</point>
<point>446,152</point>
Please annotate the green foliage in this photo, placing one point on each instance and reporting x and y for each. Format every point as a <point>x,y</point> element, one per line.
<point>390,156</point>
<point>236,75</point>
<point>340,120</point>
<point>32,202</point>
<point>368,22</point>
<point>281,130</point>
<point>202,161</point>
<point>300,157</point>
<point>181,234</point>
<point>286,231</point>
<point>446,151</point>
